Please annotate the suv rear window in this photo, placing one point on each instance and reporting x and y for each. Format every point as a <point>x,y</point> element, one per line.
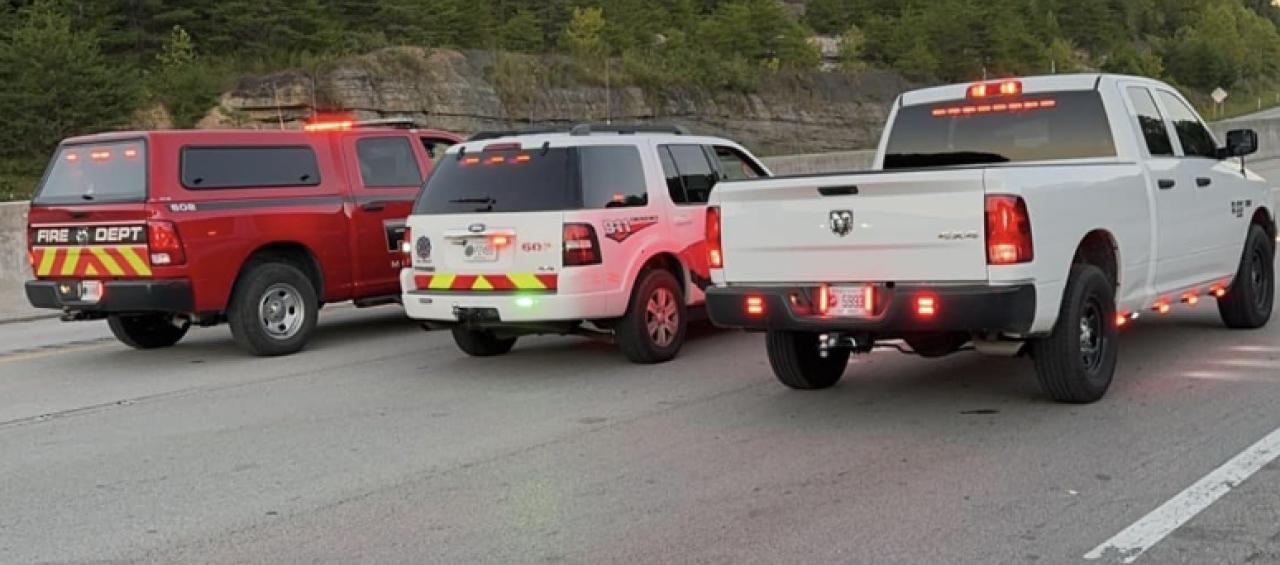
<point>1076,127</point>
<point>97,172</point>
<point>249,167</point>
<point>534,180</point>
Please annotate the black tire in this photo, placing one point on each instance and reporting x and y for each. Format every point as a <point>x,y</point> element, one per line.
<point>274,309</point>
<point>670,318</point>
<point>1249,301</point>
<point>797,363</point>
<point>146,331</point>
<point>1072,364</point>
<point>482,343</point>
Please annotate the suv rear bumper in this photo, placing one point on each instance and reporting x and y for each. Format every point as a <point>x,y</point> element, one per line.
<point>117,297</point>
<point>969,308</point>
<point>491,308</point>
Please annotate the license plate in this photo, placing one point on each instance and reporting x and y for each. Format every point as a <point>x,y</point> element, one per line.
<point>479,251</point>
<point>848,302</point>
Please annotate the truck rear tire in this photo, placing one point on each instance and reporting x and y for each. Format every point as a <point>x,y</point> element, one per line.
<point>797,363</point>
<point>1249,301</point>
<point>482,343</point>
<point>1076,363</point>
<point>653,329</point>
<point>146,331</point>
<point>274,309</point>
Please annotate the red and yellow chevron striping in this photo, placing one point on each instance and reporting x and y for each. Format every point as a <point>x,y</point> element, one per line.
<point>91,261</point>
<point>510,281</point>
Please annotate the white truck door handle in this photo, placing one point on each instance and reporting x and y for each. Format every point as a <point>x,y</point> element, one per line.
<point>682,220</point>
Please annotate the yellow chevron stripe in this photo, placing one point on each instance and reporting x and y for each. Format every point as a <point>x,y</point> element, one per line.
<point>441,282</point>
<point>46,262</point>
<point>526,281</point>
<point>108,261</point>
<point>140,266</point>
<point>90,271</point>
<point>69,263</point>
<point>481,284</point>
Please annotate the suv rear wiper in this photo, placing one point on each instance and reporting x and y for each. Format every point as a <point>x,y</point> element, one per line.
<point>487,201</point>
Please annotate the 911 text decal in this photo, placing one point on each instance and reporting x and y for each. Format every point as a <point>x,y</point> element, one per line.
<point>621,229</point>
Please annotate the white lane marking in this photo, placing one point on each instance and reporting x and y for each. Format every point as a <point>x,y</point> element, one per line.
<point>1256,348</point>
<point>1145,533</point>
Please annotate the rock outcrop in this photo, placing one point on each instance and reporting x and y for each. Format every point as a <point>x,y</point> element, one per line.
<point>475,90</point>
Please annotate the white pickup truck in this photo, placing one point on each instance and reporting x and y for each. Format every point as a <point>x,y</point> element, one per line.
<point>1018,216</point>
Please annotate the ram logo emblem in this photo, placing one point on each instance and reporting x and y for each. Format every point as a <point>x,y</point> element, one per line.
<point>841,222</point>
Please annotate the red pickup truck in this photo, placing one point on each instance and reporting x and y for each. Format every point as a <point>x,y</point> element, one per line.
<point>155,231</point>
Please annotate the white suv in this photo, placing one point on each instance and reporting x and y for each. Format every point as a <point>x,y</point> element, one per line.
<point>589,230</point>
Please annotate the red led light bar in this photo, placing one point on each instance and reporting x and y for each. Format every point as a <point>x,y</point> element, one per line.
<point>969,110</point>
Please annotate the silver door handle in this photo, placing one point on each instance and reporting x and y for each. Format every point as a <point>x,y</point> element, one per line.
<point>683,220</point>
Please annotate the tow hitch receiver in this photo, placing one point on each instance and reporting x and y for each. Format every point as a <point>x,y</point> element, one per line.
<point>834,341</point>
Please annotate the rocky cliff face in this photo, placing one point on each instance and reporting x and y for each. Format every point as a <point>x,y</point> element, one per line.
<point>472,91</point>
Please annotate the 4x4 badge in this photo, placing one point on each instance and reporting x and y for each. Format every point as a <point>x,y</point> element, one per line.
<point>841,222</point>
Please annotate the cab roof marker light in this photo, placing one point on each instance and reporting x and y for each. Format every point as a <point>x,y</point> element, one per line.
<point>340,125</point>
<point>495,160</point>
<point>522,158</point>
<point>990,89</point>
<point>73,157</point>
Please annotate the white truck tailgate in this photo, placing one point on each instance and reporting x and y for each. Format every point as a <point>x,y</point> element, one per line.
<point>901,226</point>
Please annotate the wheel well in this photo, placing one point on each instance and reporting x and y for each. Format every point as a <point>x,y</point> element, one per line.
<point>1262,217</point>
<point>669,262</point>
<point>1098,248</point>
<point>294,253</point>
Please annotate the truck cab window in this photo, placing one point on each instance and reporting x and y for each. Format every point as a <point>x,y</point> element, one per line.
<point>1196,139</point>
<point>733,166</point>
<point>387,162</point>
<point>1151,122</point>
<point>694,171</point>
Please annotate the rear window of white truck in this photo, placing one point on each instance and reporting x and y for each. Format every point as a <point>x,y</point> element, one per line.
<point>1032,127</point>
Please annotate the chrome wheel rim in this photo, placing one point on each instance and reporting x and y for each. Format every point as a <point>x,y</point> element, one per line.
<point>281,311</point>
<point>1092,338</point>
<point>662,317</point>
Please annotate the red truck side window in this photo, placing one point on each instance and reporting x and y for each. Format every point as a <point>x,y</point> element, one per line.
<point>387,162</point>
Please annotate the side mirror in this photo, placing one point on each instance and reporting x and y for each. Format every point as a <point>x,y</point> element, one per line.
<point>1241,142</point>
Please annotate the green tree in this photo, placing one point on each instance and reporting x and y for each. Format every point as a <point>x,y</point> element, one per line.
<point>181,83</point>
<point>584,36</point>
<point>521,32</point>
<point>57,83</point>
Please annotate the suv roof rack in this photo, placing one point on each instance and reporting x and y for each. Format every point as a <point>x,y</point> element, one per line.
<point>584,129</point>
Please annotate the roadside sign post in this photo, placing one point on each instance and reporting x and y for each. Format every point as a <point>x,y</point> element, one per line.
<point>1219,96</point>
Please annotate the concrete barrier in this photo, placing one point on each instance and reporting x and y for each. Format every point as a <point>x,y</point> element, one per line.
<point>14,269</point>
<point>820,162</point>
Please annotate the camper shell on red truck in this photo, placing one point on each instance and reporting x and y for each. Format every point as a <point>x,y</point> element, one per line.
<point>157,230</point>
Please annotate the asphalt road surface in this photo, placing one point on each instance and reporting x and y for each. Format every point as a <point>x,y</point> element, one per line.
<point>383,444</point>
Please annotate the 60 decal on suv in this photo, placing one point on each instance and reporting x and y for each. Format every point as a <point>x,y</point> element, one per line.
<point>594,230</point>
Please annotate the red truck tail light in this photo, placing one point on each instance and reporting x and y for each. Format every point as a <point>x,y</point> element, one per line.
<point>715,252</point>
<point>164,244</point>
<point>580,245</point>
<point>1008,230</point>
<point>926,306</point>
<point>755,306</point>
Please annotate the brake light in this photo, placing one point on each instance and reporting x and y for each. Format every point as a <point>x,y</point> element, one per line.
<point>406,248</point>
<point>1008,230</point>
<point>824,299</point>
<point>926,306</point>
<point>580,245</point>
<point>989,89</point>
<point>499,241</point>
<point>100,155</point>
<point>164,244</point>
<point>715,252</point>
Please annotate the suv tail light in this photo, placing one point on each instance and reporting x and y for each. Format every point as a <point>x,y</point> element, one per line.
<point>164,244</point>
<point>406,248</point>
<point>580,245</point>
<point>1008,230</point>
<point>715,251</point>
